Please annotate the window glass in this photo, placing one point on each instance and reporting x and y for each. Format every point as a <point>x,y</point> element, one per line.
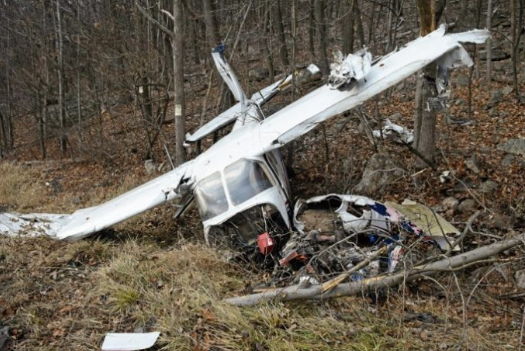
<point>244,180</point>
<point>211,197</point>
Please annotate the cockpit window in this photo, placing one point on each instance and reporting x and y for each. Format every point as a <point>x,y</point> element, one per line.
<point>244,180</point>
<point>211,197</point>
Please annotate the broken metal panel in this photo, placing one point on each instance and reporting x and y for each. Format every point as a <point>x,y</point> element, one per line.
<point>429,222</point>
<point>36,224</point>
<point>352,67</point>
<point>417,219</point>
<point>129,341</point>
<point>395,132</point>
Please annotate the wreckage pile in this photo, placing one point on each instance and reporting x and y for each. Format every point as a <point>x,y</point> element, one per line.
<point>353,236</point>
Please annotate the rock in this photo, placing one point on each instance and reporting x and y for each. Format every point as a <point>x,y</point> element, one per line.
<point>472,164</point>
<point>507,90</point>
<point>459,102</point>
<point>76,200</point>
<point>258,74</point>
<point>488,187</point>
<point>485,149</point>
<point>395,117</point>
<point>508,160</point>
<point>495,98</point>
<point>462,81</point>
<point>150,166</point>
<point>450,203</point>
<point>504,114</point>
<point>519,276</point>
<point>493,113</point>
<point>501,221</point>
<point>381,171</point>
<point>513,146</point>
<point>467,206</point>
<point>4,337</point>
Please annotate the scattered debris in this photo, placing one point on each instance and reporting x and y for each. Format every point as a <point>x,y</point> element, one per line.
<point>337,287</point>
<point>337,233</point>
<point>395,132</point>
<point>129,341</point>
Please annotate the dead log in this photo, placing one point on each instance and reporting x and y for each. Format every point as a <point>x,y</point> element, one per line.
<point>454,263</point>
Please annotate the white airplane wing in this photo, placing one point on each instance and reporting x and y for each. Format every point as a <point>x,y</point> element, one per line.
<point>90,220</point>
<point>306,113</point>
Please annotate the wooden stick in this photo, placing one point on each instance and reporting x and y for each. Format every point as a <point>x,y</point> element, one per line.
<point>367,285</point>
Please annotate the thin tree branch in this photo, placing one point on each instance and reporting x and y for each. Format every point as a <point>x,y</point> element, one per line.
<point>153,20</point>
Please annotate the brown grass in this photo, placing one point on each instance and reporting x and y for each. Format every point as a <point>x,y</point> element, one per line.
<point>20,189</point>
<point>68,295</point>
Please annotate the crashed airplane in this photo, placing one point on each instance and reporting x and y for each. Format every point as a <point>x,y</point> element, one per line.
<point>240,184</point>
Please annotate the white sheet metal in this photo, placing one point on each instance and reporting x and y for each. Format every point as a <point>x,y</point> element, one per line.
<point>129,341</point>
<point>394,132</point>
<point>228,75</point>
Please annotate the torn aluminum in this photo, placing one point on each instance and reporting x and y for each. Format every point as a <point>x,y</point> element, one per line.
<point>395,132</point>
<point>353,67</point>
<point>255,140</point>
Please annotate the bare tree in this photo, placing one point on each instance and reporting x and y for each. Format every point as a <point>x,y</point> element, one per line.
<point>425,114</point>
<point>60,71</point>
<point>177,41</point>
<point>321,28</point>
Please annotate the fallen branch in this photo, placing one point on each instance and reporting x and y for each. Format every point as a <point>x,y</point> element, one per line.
<point>297,292</point>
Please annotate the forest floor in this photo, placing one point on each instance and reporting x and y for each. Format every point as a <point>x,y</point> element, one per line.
<point>152,273</point>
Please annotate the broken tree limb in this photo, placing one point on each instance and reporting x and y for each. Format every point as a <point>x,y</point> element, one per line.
<point>367,285</point>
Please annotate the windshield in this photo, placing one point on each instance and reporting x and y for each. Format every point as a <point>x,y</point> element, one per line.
<point>211,197</point>
<point>244,180</point>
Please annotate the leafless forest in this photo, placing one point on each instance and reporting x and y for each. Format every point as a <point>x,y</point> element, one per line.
<point>97,97</point>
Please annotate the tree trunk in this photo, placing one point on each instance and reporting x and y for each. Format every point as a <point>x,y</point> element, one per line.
<point>488,43</point>
<point>311,27</point>
<point>279,27</point>
<point>348,27</point>
<point>321,27</point>
<point>60,62</point>
<point>425,115</point>
<point>515,30</point>
<point>211,23</point>
<point>360,30</point>
<point>178,81</point>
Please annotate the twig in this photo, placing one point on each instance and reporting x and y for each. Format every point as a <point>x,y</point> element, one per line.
<point>296,292</point>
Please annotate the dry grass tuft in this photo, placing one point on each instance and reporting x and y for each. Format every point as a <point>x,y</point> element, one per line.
<point>19,188</point>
